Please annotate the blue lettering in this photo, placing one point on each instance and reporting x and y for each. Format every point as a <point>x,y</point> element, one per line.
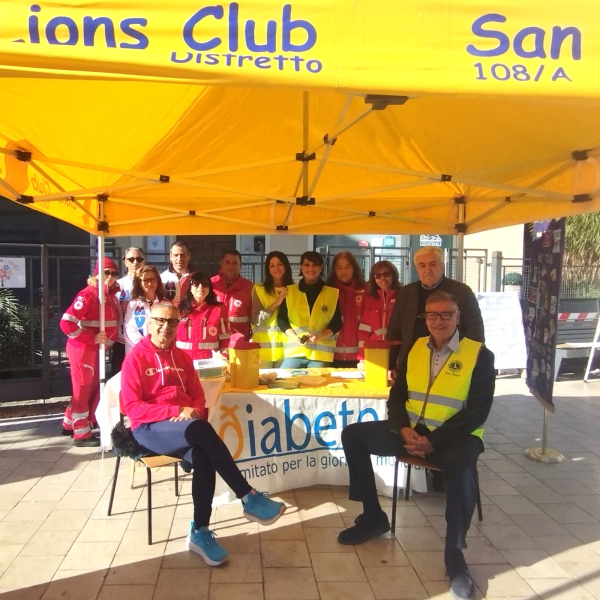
<point>367,411</point>
<point>314,66</point>
<point>34,32</point>
<point>211,59</point>
<point>280,58</point>
<point>289,26</point>
<point>558,37</point>
<point>228,58</point>
<point>55,23</point>
<point>127,29</point>
<point>276,445</point>
<point>477,29</point>
<point>560,74</point>
<point>241,59</point>
<point>188,29</point>
<point>251,436</point>
<point>538,43</point>
<point>263,60</point>
<point>269,46</point>
<point>318,427</point>
<point>345,413</point>
<point>289,422</point>
<point>181,60</point>
<point>90,26</point>
<point>233,26</point>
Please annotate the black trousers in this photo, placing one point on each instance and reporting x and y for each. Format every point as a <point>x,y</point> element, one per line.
<point>197,442</point>
<point>116,358</point>
<point>457,461</point>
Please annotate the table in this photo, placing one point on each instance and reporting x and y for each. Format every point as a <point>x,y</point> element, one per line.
<point>288,439</point>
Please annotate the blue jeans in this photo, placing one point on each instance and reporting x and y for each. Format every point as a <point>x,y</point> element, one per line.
<point>304,363</point>
<point>197,442</point>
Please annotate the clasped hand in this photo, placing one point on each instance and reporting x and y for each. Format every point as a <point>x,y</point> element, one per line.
<point>415,444</point>
<point>186,413</point>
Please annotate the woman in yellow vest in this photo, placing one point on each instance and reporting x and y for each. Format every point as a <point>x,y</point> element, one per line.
<point>266,300</point>
<point>310,317</point>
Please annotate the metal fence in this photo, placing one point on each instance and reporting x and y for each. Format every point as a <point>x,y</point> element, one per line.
<point>475,267</point>
<point>578,281</point>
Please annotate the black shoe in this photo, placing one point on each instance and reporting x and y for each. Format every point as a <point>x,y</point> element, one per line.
<point>439,481</point>
<point>364,529</point>
<point>66,432</point>
<point>186,466</point>
<point>91,442</point>
<point>461,584</point>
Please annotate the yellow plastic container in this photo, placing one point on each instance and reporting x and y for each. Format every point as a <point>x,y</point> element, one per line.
<point>244,361</point>
<point>377,356</point>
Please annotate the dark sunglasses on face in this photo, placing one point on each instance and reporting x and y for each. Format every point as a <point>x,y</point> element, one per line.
<point>444,316</point>
<point>385,274</point>
<point>169,322</point>
<point>137,259</point>
<point>109,273</point>
<point>202,284</point>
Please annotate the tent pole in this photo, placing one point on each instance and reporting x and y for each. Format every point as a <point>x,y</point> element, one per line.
<point>461,239</point>
<point>305,183</point>
<point>102,300</point>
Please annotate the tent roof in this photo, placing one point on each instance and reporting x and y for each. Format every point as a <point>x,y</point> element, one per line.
<point>108,139</point>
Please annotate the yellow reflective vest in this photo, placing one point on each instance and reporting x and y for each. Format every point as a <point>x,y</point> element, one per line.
<point>268,335</point>
<point>303,321</point>
<point>434,402</point>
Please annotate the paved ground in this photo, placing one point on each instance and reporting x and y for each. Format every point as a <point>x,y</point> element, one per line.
<point>540,537</point>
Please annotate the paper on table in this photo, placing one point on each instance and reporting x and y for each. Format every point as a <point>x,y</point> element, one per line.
<point>349,374</point>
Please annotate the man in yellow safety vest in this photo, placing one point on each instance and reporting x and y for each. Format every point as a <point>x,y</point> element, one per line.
<point>436,410</point>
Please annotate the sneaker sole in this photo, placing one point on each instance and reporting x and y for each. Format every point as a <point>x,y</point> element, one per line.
<point>274,519</point>
<point>457,597</point>
<point>367,537</point>
<point>193,548</point>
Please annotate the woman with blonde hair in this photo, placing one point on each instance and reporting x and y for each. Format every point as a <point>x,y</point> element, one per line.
<point>146,289</point>
<point>347,277</point>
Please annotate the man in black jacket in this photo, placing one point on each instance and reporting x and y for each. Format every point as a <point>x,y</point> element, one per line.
<point>406,322</point>
<point>436,409</point>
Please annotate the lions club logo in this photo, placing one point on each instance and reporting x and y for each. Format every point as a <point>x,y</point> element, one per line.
<point>212,331</point>
<point>455,366</point>
<point>325,308</point>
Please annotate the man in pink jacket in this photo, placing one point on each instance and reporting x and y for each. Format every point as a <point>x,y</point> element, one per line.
<point>164,401</point>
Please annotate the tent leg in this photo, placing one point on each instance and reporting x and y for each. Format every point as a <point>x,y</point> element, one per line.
<point>102,301</point>
<point>460,258</point>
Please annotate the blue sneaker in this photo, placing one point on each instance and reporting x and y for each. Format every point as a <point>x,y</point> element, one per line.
<point>202,542</point>
<point>261,509</point>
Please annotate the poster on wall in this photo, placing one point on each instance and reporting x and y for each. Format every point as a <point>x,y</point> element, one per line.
<point>542,311</point>
<point>13,272</point>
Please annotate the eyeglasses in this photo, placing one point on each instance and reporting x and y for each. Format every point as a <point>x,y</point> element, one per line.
<point>444,316</point>
<point>137,259</point>
<point>151,280</point>
<point>385,274</point>
<point>169,322</point>
<point>109,273</point>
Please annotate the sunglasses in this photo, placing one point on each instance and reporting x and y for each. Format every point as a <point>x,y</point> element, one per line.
<point>137,259</point>
<point>202,284</point>
<point>385,274</point>
<point>109,273</point>
<point>169,322</point>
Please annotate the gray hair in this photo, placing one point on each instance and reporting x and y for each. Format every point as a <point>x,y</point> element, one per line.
<point>441,296</point>
<point>439,253</point>
<point>164,304</point>
<point>137,248</point>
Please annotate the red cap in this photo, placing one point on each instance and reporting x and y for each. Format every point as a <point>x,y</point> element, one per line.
<point>109,263</point>
<point>381,344</point>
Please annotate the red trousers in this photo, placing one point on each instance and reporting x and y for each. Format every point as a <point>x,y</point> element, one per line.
<point>83,361</point>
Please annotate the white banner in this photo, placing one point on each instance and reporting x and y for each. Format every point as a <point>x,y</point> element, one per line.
<point>284,443</point>
<point>12,272</point>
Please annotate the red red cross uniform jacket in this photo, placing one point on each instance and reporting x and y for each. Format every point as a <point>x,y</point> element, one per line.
<point>238,300</point>
<point>375,318</point>
<point>81,323</point>
<point>205,329</point>
<point>351,302</point>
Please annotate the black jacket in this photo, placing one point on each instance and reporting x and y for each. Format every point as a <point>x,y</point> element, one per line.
<point>474,415</point>
<point>406,308</point>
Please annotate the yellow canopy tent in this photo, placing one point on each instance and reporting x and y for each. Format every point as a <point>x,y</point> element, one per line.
<point>134,118</point>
